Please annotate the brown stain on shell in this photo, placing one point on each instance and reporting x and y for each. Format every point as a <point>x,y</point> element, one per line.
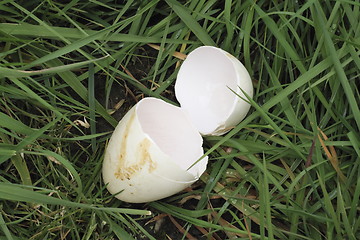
<point>145,157</point>
<point>142,156</point>
<point>123,144</point>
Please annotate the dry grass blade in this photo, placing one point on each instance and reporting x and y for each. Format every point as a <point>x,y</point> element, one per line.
<point>213,236</point>
<point>181,229</point>
<point>227,195</point>
<point>178,55</point>
<point>224,223</point>
<point>331,155</point>
<point>248,229</point>
<point>131,75</point>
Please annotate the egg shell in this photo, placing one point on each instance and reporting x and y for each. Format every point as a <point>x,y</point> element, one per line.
<point>209,87</point>
<point>150,151</point>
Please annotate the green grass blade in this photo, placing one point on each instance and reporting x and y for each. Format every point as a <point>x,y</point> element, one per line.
<point>28,140</point>
<point>338,68</point>
<point>191,23</point>
<point>265,205</point>
<point>91,100</point>
<point>15,125</point>
<point>4,228</point>
<point>17,193</point>
<point>7,72</point>
<point>330,208</point>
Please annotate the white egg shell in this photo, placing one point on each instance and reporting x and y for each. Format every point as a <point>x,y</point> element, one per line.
<point>150,151</point>
<point>206,85</point>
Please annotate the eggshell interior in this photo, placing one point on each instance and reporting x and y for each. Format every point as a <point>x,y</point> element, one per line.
<point>172,130</point>
<point>150,151</point>
<point>207,87</point>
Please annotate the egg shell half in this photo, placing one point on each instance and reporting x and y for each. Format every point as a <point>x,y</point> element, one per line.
<point>150,151</point>
<point>209,87</point>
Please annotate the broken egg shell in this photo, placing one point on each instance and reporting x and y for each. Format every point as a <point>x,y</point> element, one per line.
<point>150,151</point>
<point>208,87</point>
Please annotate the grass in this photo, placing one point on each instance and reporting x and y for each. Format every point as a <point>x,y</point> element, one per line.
<point>69,71</point>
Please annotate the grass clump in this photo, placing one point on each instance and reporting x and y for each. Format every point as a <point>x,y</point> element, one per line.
<point>69,71</point>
